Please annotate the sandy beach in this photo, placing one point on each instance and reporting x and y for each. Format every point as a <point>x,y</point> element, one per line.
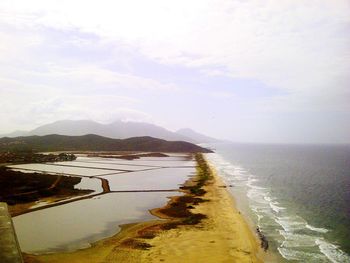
<point>222,235</point>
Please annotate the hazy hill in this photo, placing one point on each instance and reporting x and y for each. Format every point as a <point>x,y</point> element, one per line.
<point>93,142</point>
<point>196,136</point>
<point>117,130</point>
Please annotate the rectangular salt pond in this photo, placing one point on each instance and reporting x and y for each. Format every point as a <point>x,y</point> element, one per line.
<point>107,165</point>
<point>146,161</point>
<point>90,184</point>
<point>85,184</point>
<point>159,179</point>
<point>75,225</point>
<point>171,157</point>
<point>62,169</point>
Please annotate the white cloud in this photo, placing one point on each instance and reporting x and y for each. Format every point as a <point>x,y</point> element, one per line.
<point>297,46</point>
<point>300,48</point>
<point>46,109</point>
<point>98,76</point>
<point>25,106</point>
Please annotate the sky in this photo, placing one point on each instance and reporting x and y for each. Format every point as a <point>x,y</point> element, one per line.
<point>271,71</point>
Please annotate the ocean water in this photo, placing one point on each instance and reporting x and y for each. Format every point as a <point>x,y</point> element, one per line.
<point>298,195</point>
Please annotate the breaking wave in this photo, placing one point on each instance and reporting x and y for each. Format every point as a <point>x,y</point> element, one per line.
<point>295,239</point>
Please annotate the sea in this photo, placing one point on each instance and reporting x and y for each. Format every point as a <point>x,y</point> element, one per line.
<point>297,195</point>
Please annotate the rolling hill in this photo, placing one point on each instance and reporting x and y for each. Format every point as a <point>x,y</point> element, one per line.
<point>92,142</point>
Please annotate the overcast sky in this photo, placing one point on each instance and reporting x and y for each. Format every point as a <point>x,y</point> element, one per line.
<point>251,71</point>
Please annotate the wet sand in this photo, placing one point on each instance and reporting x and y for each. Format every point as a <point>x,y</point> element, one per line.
<point>223,236</point>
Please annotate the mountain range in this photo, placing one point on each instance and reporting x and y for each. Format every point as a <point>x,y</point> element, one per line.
<point>115,130</point>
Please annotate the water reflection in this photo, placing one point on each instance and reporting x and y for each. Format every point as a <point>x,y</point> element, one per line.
<point>75,225</point>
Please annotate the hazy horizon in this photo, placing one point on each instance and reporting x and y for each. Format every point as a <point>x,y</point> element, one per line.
<point>245,71</point>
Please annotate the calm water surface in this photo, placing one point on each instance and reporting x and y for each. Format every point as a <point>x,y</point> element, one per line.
<point>75,225</point>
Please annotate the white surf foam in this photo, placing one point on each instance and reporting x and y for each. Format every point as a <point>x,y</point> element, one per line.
<point>268,198</point>
<point>251,181</point>
<point>297,240</point>
<point>276,208</point>
<point>291,223</point>
<point>265,206</point>
<point>259,217</point>
<point>317,229</point>
<point>332,252</point>
<point>292,254</point>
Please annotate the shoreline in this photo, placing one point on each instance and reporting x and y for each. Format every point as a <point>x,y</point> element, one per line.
<point>220,234</point>
<point>264,256</point>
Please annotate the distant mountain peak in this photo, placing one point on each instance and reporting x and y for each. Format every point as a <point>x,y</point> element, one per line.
<point>196,136</point>
<point>117,129</point>
<point>185,130</point>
